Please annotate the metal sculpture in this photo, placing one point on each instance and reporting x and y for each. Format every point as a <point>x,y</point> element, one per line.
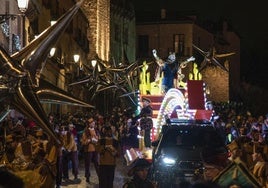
<point>211,57</point>
<point>107,77</point>
<point>20,87</point>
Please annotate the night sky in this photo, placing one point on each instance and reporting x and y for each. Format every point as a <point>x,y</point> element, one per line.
<point>248,19</point>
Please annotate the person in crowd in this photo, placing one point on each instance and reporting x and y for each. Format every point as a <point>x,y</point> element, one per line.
<point>124,135</point>
<point>133,132</point>
<point>237,153</point>
<point>51,120</point>
<point>108,149</point>
<point>23,151</point>
<point>89,139</point>
<point>73,130</point>
<point>265,127</point>
<point>260,169</point>
<point>139,172</point>
<point>60,135</point>
<point>214,161</point>
<point>146,122</point>
<point>115,132</point>
<point>45,159</point>
<point>70,153</point>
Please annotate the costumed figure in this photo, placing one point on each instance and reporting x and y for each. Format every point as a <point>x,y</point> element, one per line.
<point>169,69</point>
<point>70,153</point>
<point>89,139</point>
<point>108,149</point>
<point>146,122</point>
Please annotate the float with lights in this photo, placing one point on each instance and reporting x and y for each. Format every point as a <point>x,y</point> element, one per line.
<point>186,102</point>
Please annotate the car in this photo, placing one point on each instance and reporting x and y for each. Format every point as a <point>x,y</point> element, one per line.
<point>176,155</point>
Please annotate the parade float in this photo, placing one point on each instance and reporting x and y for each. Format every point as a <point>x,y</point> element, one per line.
<point>187,101</point>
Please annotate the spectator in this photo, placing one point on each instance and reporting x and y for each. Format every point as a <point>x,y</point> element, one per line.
<point>260,170</point>
<point>139,172</point>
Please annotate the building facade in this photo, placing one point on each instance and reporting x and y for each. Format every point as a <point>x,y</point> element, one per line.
<point>101,29</point>
<point>170,32</point>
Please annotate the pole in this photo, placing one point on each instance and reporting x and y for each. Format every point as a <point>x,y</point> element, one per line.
<point>23,31</point>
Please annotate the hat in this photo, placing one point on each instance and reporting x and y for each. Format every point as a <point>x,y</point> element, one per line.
<point>233,146</point>
<point>39,133</point>
<point>9,138</point>
<point>146,99</point>
<point>138,163</point>
<point>90,120</point>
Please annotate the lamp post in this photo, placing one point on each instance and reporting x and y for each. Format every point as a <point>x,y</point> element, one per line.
<point>94,63</point>
<point>23,6</point>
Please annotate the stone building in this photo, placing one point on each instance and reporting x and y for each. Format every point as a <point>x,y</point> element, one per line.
<point>103,29</point>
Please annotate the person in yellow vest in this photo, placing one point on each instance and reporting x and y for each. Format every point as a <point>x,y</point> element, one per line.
<point>108,148</point>
<point>89,139</point>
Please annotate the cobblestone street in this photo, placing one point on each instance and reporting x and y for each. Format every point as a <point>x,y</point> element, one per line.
<point>120,176</point>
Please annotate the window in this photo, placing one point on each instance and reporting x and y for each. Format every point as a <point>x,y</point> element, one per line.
<point>143,45</point>
<point>125,36</point>
<point>179,44</point>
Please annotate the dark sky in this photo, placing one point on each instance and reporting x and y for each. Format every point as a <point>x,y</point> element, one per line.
<point>248,18</point>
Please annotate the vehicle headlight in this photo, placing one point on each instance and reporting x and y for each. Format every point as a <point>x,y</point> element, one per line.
<point>169,161</point>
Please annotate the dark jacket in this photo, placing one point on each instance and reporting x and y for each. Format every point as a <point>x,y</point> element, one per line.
<point>136,182</point>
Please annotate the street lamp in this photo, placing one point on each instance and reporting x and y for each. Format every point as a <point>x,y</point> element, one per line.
<point>76,58</point>
<point>93,63</point>
<point>52,52</point>
<point>23,6</point>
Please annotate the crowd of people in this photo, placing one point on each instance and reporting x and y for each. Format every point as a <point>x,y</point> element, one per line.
<point>100,139</point>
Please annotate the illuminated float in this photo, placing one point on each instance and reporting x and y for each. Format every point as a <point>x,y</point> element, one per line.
<point>184,103</point>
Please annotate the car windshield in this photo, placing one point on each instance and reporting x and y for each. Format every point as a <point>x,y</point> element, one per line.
<point>196,136</point>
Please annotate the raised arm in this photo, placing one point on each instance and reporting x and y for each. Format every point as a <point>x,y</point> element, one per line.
<point>159,61</point>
